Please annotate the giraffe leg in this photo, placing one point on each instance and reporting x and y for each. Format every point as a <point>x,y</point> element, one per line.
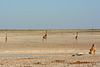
<point>90,51</point>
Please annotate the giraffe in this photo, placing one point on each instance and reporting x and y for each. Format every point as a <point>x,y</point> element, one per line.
<point>6,38</point>
<point>77,33</point>
<point>93,49</point>
<point>45,36</point>
<point>46,31</point>
<point>76,37</point>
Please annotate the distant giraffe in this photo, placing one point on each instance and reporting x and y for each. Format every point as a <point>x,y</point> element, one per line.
<point>76,33</point>
<point>76,37</point>
<point>44,37</point>
<point>6,38</point>
<point>93,49</point>
<point>46,31</point>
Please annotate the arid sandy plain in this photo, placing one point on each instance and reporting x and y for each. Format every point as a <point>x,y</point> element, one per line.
<point>59,50</point>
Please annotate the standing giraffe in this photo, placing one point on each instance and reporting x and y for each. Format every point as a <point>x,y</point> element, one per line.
<point>93,49</point>
<point>6,38</point>
<point>44,37</point>
<point>46,31</point>
<point>76,37</point>
<point>76,33</point>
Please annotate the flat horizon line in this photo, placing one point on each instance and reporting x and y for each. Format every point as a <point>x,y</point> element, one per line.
<point>47,29</point>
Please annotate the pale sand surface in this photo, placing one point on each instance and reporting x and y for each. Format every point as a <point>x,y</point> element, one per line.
<point>77,61</point>
<point>59,43</point>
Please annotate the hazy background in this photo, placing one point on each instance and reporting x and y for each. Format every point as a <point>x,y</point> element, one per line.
<point>49,14</point>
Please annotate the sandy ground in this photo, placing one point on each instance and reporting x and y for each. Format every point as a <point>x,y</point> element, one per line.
<point>59,43</point>
<point>77,61</point>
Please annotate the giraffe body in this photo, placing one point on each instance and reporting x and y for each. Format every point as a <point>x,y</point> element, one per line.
<point>93,49</point>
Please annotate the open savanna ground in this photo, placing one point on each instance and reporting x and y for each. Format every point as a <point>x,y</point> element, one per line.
<point>59,43</point>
